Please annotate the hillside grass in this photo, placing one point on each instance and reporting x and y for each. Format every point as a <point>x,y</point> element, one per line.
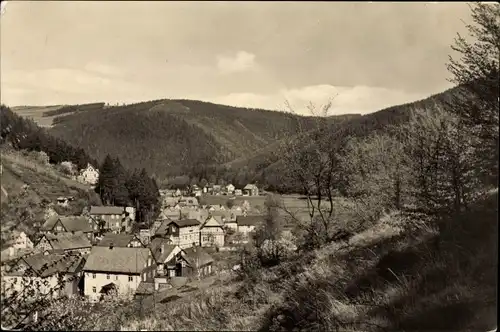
<point>32,185</point>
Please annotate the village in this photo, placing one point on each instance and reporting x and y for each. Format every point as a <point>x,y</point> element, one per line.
<point>102,252</point>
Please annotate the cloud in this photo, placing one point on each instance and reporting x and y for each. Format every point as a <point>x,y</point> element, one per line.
<point>103,69</point>
<point>240,62</point>
<point>344,100</point>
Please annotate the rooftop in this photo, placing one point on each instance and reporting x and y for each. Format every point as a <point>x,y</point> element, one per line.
<point>117,260</point>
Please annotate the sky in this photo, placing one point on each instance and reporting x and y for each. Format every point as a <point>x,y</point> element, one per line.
<point>361,57</point>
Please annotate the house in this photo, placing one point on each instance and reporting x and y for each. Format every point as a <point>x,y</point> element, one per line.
<point>18,240</point>
<point>63,243</point>
<point>222,215</point>
<point>170,201</point>
<point>69,224</point>
<point>198,214</point>
<point>166,257</point>
<point>10,256</point>
<point>89,175</point>
<point>247,224</point>
<point>238,192</point>
<point>121,240</point>
<point>52,275</point>
<point>231,224</point>
<point>117,270</point>
<point>184,232</point>
<point>250,190</point>
<point>216,189</point>
<point>188,202</point>
<point>196,262</point>
<point>230,188</point>
<point>64,201</point>
<point>177,193</point>
<point>113,216</point>
<point>170,213</point>
<point>212,233</point>
<point>145,236</point>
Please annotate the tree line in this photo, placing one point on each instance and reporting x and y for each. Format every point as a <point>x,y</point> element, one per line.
<point>25,134</point>
<point>118,186</point>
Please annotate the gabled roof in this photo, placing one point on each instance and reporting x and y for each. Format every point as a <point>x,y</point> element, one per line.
<point>156,246</point>
<point>162,230</point>
<point>47,265</point>
<point>250,187</point>
<point>67,241</point>
<point>211,222</point>
<point>71,223</point>
<point>117,260</point>
<point>186,222</point>
<point>98,210</point>
<point>118,240</point>
<point>196,256</point>
<point>250,220</point>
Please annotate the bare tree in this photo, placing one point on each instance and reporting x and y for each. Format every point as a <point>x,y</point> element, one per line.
<point>476,71</point>
<point>312,163</point>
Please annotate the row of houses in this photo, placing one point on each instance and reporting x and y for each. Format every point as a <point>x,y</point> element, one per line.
<point>69,265</point>
<point>213,189</point>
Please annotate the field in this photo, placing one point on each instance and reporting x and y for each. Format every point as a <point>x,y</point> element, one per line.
<point>36,114</point>
<point>294,204</point>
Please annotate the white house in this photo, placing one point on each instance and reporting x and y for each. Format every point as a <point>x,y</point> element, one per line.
<point>247,224</point>
<point>19,240</point>
<point>51,275</point>
<point>117,269</point>
<point>230,188</point>
<point>182,232</point>
<point>89,175</point>
<point>212,233</point>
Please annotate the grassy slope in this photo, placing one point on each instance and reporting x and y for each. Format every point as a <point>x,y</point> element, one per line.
<point>44,185</point>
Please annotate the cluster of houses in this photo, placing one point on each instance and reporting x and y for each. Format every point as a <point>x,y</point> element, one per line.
<point>213,189</point>
<point>98,252</point>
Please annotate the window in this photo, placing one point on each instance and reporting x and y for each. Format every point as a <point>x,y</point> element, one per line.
<point>93,275</point>
<point>149,261</point>
<point>94,290</point>
<point>107,276</point>
<point>130,278</point>
<point>144,276</point>
<point>116,277</point>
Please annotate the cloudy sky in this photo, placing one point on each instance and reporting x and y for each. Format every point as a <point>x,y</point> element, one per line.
<point>362,56</point>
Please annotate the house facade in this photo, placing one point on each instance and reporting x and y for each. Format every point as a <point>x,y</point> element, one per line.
<point>121,240</point>
<point>19,240</point>
<point>89,175</point>
<point>63,242</point>
<point>114,217</point>
<point>117,269</point>
<point>52,276</point>
<point>69,224</point>
<point>212,233</point>
<point>230,188</point>
<point>250,190</point>
<point>184,232</point>
<point>247,224</point>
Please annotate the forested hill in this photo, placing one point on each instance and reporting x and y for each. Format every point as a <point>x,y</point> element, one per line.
<point>175,137</point>
<point>168,137</point>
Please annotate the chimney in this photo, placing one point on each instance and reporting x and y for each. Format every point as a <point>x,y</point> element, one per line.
<point>111,245</point>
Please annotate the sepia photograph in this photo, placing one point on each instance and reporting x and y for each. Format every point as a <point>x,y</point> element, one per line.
<point>249,166</point>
